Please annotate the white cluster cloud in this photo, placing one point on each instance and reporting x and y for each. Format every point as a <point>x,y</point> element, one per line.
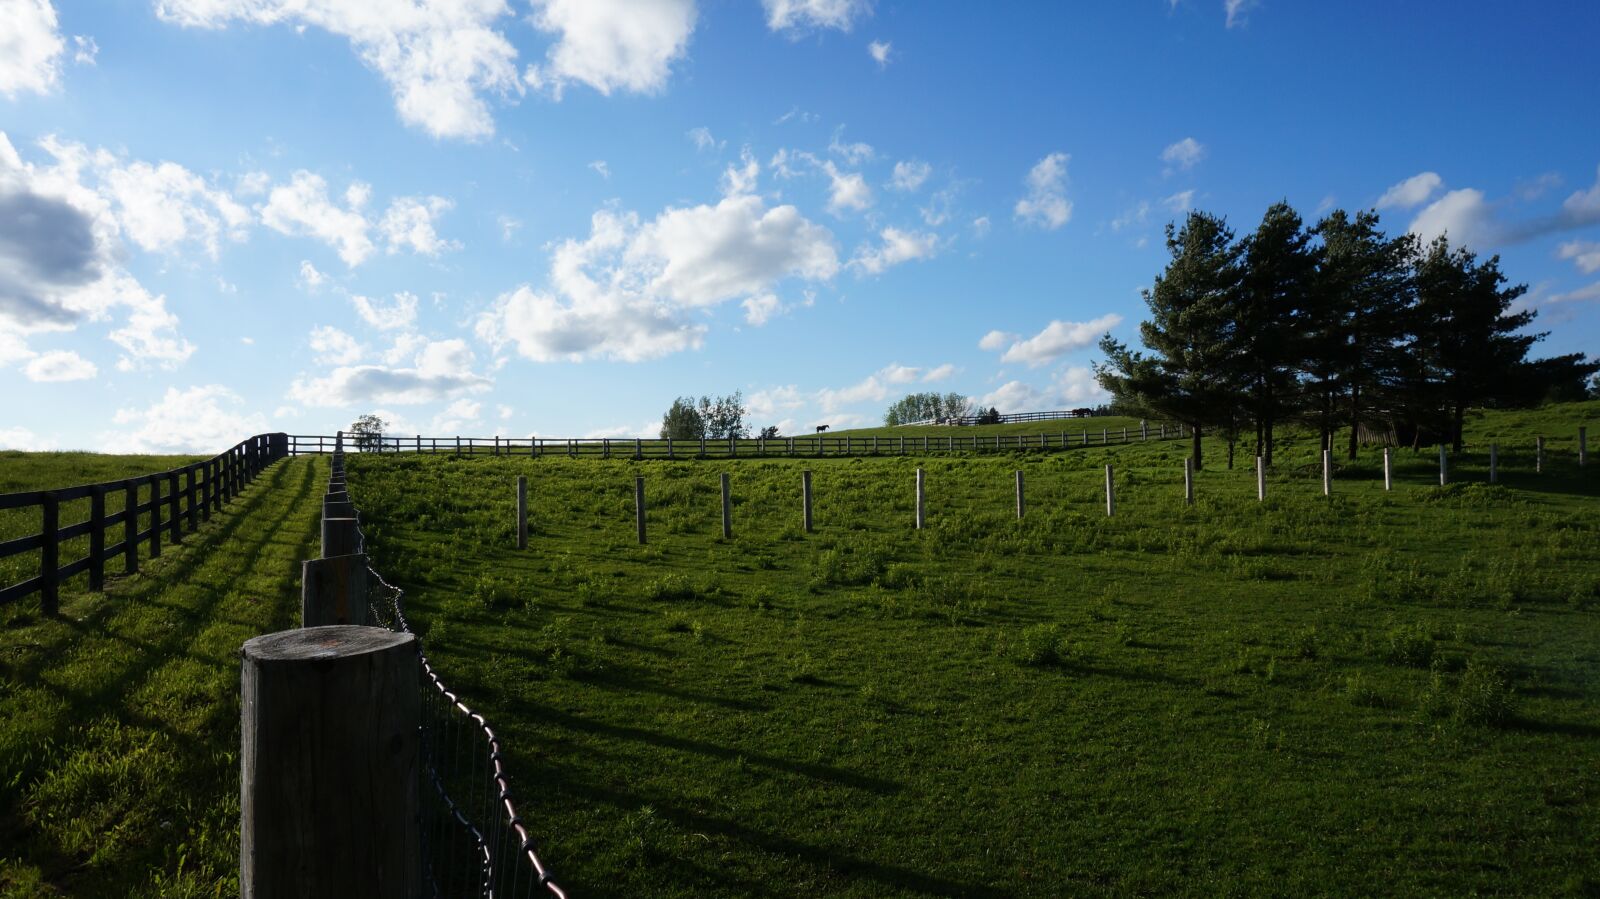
<point>196,420</point>
<point>1238,10</point>
<point>335,347</point>
<point>611,45</point>
<point>1056,340</point>
<point>1046,204</point>
<point>1411,193</point>
<point>910,174</point>
<point>1585,254</point>
<point>879,51</point>
<point>877,386</point>
<point>897,246</point>
<point>1183,155</point>
<point>438,58</point>
<point>303,208</point>
<point>438,370</point>
<point>802,15</point>
<point>1469,218</point>
<point>847,190</point>
<point>1073,386</point>
<point>59,365</point>
<point>408,223</point>
<point>401,312</point>
<point>624,291</point>
<point>1464,215</point>
<point>30,47</point>
<point>61,249</point>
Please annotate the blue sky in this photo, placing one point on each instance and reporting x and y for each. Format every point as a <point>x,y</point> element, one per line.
<point>219,217</point>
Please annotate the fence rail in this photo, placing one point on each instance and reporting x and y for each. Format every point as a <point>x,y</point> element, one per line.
<point>176,501</point>
<point>658,448</point>
<point>1014,417</point>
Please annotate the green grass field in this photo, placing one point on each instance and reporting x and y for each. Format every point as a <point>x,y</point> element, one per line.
<point>22,472</point>
<point>1377,693</point>
<point>1369,694</point>
<point>119,721</point>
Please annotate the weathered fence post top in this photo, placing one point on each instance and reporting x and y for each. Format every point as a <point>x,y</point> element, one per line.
<point>329,785</point>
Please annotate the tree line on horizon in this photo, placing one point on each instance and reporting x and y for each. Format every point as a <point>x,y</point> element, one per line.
<point>1334,326</point>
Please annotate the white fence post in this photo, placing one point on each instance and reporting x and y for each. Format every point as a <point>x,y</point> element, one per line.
<point>638,506</point>
<point>1188,480</point>
<point>921,496</point>
<point>1021,503</point>
<point>1388,470</point>
<point>805,500</point>
<point>1111,493</point>
<point>1444,470</point>
<point>1327,472</point>
<point>1261,480</point>
<point>1538,455</point>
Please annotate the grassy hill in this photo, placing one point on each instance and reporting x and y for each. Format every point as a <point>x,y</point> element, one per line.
<point>1373,693</point>
<point>1377,692</point>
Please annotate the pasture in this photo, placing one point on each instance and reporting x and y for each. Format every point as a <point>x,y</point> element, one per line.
<point>1368,693</point>
<point>1375,692</point>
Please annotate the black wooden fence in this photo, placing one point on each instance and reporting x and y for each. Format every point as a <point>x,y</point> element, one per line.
<point>656,448</point>
<point>176,502</point>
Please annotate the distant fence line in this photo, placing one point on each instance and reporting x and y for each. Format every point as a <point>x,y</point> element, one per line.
<point>192,493</point>
<point>765,447</point>
<point>1012,417</point>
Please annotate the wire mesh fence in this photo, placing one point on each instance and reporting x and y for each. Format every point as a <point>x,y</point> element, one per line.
<point>473,842</point>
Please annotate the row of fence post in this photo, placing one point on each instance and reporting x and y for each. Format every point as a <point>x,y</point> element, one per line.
<point>920,508</point>
<point>330,755</point>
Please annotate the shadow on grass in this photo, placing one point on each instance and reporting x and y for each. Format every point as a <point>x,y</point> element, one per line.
<point>529,711</point>
<point>828,860</point>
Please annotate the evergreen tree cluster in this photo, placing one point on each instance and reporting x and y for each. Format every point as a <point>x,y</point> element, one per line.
<point>1336,326</point>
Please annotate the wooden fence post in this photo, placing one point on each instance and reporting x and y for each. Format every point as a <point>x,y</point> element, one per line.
<point>1327,472</point>
<point>638,448</point>
<point>1444,470</point>
<point>1538,455</point>
<point>188,491</point>
<point>155,517</point>
<point>669,447</point>
<point>1494,463</point>
<point>329,762</point>
<point>50,556</point>
<point>97,538</point>
<point>1144,429</point>
<point>1261,480</point>
<point>333,591</point>
<point>340,537</point>
<point>522,511</point>
<point>130,528</point>
<point>1111,493</point>
<point>1583,447</point>
<point>805,500</point>
<point>1388,470</point>
<point>1188,480</point>
<point>174,521</point>
<point>921,515</point>
<point>1021,507</point>
<point>638,506</point>
<point>727,508</point>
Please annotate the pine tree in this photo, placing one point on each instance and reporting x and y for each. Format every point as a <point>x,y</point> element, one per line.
<point>1280,268</point>
<point>1358,322</point>
<point>1194,371</point>
<point>1466,336</point>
